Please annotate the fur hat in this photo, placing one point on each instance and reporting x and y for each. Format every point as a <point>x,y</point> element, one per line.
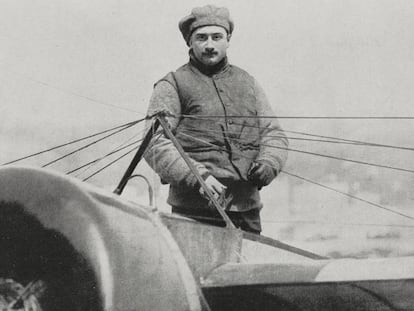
<point>208,15</point>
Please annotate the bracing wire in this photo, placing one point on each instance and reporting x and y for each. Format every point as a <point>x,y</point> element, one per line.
<point>357,142</point>
<point>111,163</point>
<point>93,100</point>
<point>288,137</point>
<point>117,159</point>
<point>332,140</point>
<point>327,139</point>
<point>88,145</point>
<point>299,117</point>
<point>351,141</point>
<point>65,91</point>
<point>308,180</point>
<point>120,147</point>
<point>103,157</point>
<point>347,194</point>
<point>327,156</point>
<point>72,142</point>
<point>343,159</point>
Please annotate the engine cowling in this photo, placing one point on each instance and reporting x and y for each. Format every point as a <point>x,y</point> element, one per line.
<point>67,245</point>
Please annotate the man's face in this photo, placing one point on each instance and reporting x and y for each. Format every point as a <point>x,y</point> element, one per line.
<point>210,44</point>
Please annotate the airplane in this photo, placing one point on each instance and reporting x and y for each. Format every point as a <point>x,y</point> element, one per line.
<point>68,245</point>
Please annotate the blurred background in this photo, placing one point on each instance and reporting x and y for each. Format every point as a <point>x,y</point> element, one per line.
<point>69,69</point>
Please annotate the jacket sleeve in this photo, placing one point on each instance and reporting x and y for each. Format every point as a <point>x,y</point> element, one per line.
<point>162,156</point>
<point>273,141</point>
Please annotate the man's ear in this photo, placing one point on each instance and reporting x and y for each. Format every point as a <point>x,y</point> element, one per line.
<point>190,40</point>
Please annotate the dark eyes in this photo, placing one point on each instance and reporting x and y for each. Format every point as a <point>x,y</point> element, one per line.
<point>214,37</point>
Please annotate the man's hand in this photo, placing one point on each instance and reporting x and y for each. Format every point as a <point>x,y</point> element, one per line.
<point>261,174</point>
<point>214,186</point>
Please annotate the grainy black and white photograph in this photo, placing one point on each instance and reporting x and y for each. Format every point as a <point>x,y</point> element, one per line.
<point>206,155</point>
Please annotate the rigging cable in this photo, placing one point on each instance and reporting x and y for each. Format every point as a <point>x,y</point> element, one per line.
<point>120,147</point>
<point>284,136</point>
<point>117,159</point>
<point>333,140</point>
<point>343,159</point>
<point>72,142</point>
<point>352,141</point>
<point>347,194</point>
<point>308,180</point>
<point>66,91</point>
<point>110,163</point>
<point>356,142</point>
<point>298,117</point>
<point>103,157</point>
<point>88,145</point>
<point>323,155</point>
<point>349,141</point>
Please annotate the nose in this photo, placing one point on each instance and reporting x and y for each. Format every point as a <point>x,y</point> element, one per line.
<point>209,45</point>
<point>209,50</point>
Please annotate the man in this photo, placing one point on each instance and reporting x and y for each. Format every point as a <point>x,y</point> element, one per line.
<point>219,110</point>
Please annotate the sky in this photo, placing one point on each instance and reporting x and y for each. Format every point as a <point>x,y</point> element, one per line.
<point>70,68</point>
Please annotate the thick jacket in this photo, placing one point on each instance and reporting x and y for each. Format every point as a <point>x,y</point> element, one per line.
<point>218,125</point>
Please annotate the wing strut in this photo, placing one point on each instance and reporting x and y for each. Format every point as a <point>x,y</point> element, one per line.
<point>161,118</point>
<point>138,156</point>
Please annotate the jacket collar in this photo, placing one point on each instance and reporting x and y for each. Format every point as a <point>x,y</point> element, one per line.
<point>209,70</point>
